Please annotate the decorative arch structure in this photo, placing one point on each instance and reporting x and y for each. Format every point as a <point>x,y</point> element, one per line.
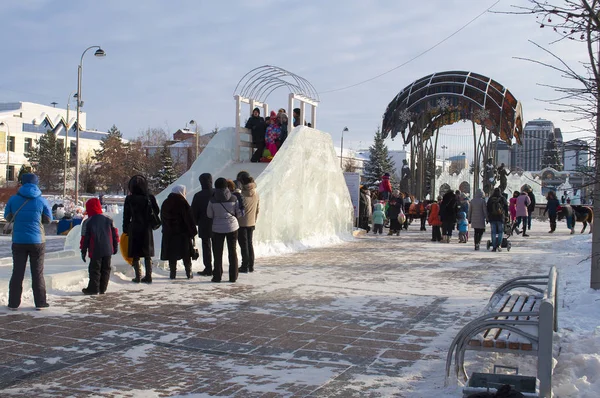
<point>254,89</point>
<point>442,99</point>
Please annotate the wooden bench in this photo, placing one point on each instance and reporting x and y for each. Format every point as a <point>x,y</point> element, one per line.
<point>520,318</point>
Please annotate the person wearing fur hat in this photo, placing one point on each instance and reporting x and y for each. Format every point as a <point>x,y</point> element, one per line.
<point>136,224</point>
<point>204,223</point>
<point>247,221</point>
<point>258,127</point>
<point>99,240</point>
<point>28,210</point>
<point>224,211</point>
<point>178,231</point>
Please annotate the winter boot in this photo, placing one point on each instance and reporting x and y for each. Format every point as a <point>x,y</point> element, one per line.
<point>188,271</point>
<point>137,268</point>
<point>572,231</point>
<point>148,277</point>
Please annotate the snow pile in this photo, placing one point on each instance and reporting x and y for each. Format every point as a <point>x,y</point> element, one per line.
<point>577,373</point>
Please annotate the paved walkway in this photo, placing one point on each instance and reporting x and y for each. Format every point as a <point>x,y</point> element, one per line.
<point>373,317</point>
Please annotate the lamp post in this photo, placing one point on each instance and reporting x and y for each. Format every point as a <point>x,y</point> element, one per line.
<point>196,124</point>
<point>7,149</point>
<point>99,53</point>
<point>71,95</point>
<point>444,147</point>
<point>342,148</point>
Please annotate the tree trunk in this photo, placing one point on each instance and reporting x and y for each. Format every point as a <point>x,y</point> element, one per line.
<point>595,272</point>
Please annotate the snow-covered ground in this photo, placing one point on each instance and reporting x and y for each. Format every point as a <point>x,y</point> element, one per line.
<point>371,283</point>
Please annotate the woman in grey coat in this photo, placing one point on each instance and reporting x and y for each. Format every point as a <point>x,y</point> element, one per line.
<point>224,210</point>
<point>478,216</point>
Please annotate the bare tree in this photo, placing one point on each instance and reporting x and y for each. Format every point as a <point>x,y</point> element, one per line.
<point>350,165</point>
<point>577,21</point>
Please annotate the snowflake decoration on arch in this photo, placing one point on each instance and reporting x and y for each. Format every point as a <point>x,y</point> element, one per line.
<point>482,114</point>
<point>443,103</point>
<point>406,116</point>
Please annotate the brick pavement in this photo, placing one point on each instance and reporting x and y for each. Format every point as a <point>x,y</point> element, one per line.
<point>368,318</point>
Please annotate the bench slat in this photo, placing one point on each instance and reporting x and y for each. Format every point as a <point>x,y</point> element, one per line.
<point>491,334</point>
<point>514,340</point>
<point>500,340</point>
<point>477,340</point>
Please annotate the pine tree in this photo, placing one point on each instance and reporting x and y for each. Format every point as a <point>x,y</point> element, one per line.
<point>551,157</point>
<point>47,160</point>
<point>379,162</point>
<point>166,175</point>
<point>113,170</point>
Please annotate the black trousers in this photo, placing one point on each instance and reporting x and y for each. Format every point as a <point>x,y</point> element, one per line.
<point>478,235</point>
<point>436,233</point>
<point>260,148</point>
<point>207,252</point>
<point>218,242</point>
<point>423,219</point>
<point>99,271</point>
<point>246,247</point>
<point>552,217</point>
<point>35,253</point>
<point>447,228</point>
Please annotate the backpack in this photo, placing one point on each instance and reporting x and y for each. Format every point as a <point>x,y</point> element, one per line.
<point>495,206</point>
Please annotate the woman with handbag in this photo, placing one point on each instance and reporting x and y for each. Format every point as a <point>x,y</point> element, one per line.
<point>178,231</point>
<point>140,218</point>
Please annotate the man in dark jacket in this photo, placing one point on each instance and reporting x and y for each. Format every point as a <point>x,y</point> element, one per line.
<point>204,223</point>
<point>497,209</point>
<point>28,210</point>
<point>100,240</point>
<point>530,208</point>
<point>258,126</point>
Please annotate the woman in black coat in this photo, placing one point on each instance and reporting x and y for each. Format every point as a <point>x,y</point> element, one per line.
<point>178,231</point>
<point>136,224</point>
<point>448,213</point>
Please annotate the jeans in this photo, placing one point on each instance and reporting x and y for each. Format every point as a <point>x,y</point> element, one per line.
<point>99,272</point>
<point>529,221</point>
<point>246,247</point>
<point>497,233</point>
<point>218,242</point>
<point>35,253</point>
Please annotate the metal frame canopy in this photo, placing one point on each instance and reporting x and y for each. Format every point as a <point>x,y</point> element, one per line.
<point>255,87</point>
<point>445,98</point>
<point>442,99</point>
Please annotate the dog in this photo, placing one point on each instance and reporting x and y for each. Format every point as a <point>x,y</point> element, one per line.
<point>583,214</point>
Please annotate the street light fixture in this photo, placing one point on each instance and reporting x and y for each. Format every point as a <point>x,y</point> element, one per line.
<point>98,53</point>
<point>75,96</point>
<point>7,149</point>
<point>193,122</point>
<point>342,148</point>
<point>444,147</point>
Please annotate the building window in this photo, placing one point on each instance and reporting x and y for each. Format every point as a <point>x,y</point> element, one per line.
<point>10,173</point>
<point>28,144</point>
<point>11,143</point>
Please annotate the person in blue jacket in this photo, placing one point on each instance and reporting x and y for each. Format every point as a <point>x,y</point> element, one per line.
<point>28,210</point>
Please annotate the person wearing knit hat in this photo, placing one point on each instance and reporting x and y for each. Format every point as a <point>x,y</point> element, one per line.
<point>99,240</point>
<point>178,231</point>
<point>258,127</point>
<point>25,210</point>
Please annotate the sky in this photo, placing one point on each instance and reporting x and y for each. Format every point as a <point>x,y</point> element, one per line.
<point>172,61</point>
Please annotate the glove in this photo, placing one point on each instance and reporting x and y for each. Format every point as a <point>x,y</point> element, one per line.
<point>83,255</point>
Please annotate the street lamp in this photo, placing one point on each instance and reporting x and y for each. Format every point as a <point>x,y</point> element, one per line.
<point>7,149</point>
<point>98,53</point>
<point>342,148</point>
<point>71,95</point>
<point>444,147</point>
<point>196,124</point>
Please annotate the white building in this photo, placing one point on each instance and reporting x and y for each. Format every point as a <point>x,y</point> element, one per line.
<point>576,155</point>
<point>27,121</point>
<point>350,157</point>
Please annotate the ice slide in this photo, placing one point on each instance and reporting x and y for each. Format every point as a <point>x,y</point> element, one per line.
<point>304,201</point>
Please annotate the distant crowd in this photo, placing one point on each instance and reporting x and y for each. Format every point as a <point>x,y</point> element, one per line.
<point>454,211</point>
